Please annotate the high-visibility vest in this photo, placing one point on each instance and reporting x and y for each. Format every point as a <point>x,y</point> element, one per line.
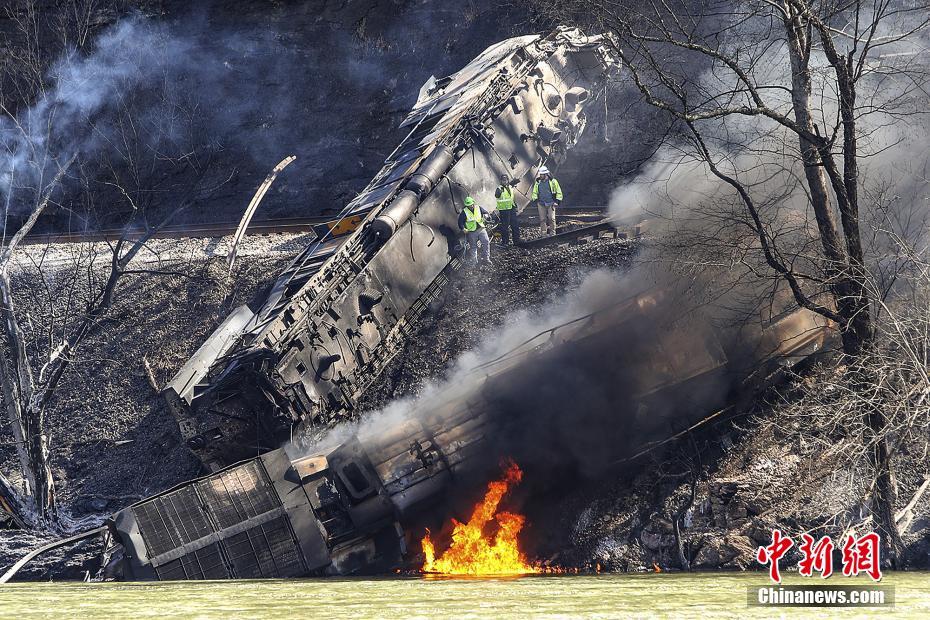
<point>553,186</point>
<point>473,219</point>
<point>505,201</point>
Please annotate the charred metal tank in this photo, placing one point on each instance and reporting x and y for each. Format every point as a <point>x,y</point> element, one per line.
<point>302,354</point>
<point>357,505</point>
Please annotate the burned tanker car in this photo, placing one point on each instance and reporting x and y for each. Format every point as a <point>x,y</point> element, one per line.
<point>355,506</point>
<point>301,355</point>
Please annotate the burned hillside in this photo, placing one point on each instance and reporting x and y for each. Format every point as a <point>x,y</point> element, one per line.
<point>112,435</point>
<point>114,442</point>
<point>756,361</point>
<point>710,499</point>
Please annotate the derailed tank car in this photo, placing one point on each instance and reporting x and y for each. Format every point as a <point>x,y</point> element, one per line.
<point>303,353</point>
<point>356,507</point>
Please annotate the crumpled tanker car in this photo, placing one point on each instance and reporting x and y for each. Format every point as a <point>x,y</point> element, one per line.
<point>301,354</point>
<point>642,369</point>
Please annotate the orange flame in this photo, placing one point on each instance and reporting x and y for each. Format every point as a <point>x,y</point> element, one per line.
<point>473,553</point>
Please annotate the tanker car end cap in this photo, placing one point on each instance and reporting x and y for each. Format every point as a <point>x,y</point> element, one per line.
<point>395,214</point>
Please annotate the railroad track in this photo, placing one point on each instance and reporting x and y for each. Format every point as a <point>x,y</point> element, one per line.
<point>318,224</point>
<point>222,229</point>
<point>582,234</point>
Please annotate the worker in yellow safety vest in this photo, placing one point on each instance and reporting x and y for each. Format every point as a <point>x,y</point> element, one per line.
<point>472,222</point>
<point>506,210</point>
<point>547,194</point>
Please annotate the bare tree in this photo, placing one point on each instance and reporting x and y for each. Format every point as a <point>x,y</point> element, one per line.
<point>138,161</point>
<point>781,100</point>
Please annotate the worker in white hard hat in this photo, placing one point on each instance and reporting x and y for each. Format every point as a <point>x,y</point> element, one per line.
<point>547,194</point>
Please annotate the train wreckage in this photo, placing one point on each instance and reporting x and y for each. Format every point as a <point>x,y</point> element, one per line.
<point>302,354</point>
<point>298,358</point>
<point>352,507</point>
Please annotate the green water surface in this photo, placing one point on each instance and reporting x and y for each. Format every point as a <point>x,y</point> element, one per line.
<point>699,595</point>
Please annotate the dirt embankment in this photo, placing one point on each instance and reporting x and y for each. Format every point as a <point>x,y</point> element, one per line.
<point>114,441</point>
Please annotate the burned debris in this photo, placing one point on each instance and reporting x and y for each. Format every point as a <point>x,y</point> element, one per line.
<point>351,508</point>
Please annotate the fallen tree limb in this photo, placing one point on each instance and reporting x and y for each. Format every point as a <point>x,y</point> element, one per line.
<point>904,516</point>
<point>52,545</point>
<point>657,444</point>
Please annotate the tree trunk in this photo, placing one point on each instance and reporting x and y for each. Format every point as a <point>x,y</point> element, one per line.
<point>801,84</point>
<point>883,499</point>
<point>17,384</point>
<point>845,266</point>
<point>26,420</point>
<point>859,334</point>
<point>44,492</point>
<point>847,293</point>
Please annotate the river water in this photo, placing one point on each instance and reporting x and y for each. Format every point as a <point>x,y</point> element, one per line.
<point>705,595</point>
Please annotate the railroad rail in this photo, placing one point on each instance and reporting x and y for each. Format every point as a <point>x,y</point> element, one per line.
<point>582,234</point>
<point>180,231</point>
<point>318,224</point>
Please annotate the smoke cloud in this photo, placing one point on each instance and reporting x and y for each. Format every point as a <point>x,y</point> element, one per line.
<point>575,386</point>
<point>65,120</point>
<point>681,199</point>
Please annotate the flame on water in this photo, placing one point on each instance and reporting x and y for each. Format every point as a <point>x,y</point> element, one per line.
<point>474,553</point>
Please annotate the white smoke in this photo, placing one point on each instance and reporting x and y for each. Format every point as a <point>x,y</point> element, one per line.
<point>525,329</point>
<point>65,119</point>
<point>676,193</point>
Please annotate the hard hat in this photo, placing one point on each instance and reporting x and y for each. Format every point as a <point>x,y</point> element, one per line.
<point>469,201</point>
<point>543,170</point>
